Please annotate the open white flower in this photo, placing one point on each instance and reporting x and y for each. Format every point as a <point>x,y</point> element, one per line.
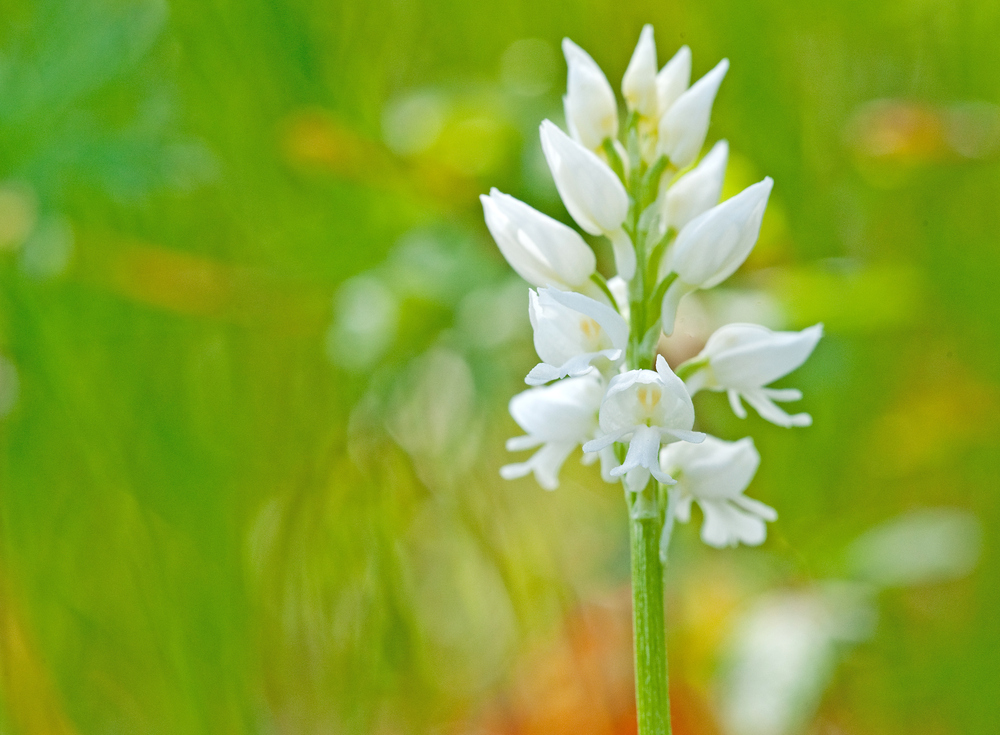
<point>590,106</point>
<point>713,245</point>
<point>592,192</point>
<point>714,475</point>
<point>572,334</point>
<point>742,359</point>
<point>557,418</point>
<point>684,126</point>
<point>542,250</point>
<point>639,82</point>
<point>645,409</point>
<point>695,192</point>
<point>672,80</point>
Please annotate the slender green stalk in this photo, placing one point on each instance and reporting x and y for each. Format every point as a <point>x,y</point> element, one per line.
<point>648,627</point>
<point>645,516</point>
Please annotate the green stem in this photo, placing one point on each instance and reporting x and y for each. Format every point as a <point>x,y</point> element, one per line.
<point>648,626</point>
<point>645,507</point>
<point>602,284</point>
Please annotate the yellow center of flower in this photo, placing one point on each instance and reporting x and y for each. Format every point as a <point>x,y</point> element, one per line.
<point>649,398</point>
<point>591,330</point>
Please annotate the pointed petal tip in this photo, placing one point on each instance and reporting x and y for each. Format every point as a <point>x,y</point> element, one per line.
<point>569,48</point>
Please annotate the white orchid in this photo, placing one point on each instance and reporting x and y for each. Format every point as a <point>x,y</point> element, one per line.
<point>672,80</point>
<point>572,334</point>
<point>590,106</point>
<point>592,192</point>
<point>557,418</point>
<point>645,408</point>
<point>714,474</point>
<point>595,337</point>
<point>639,82</point>
<point>542,250</point>
<point>684,126</point>
<point>742,359</point>
<point>695,192</point>
<point>713,245</point>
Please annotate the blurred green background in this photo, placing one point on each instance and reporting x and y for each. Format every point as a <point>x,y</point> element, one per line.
<point>256,347</point>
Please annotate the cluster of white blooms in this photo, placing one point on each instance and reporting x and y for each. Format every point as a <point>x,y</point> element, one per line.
<point>600,383</point>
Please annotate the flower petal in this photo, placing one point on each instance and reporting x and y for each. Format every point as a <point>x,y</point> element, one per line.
<point>750,356</point>
<point>591,191</point>
<point>639,82</point>
<point>683,128</point>
<point>545,464</point>
<point>673,79</point>
<point>590,106</point>
<point>770,411</point>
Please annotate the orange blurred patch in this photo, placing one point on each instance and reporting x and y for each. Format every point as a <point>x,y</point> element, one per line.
<point>197,285</point>
<point>892,137</point>
<point>582,682</point>
<point>173,280</point>
<point>899,129</point>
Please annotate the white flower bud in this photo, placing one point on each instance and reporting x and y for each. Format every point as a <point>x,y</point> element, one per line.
<point>695,192</point>
<point>672,80</point>
<point>557,418</point>
<point>592,192</point>
<point>713,245</point>
<point>714,474</point>
<point>572,333</point>
<point>645,409</point>
<point>543,251</point>
<point>742,359</point>
<point>684,126</point>
<point>591,109</point>
<point>639,82</point>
